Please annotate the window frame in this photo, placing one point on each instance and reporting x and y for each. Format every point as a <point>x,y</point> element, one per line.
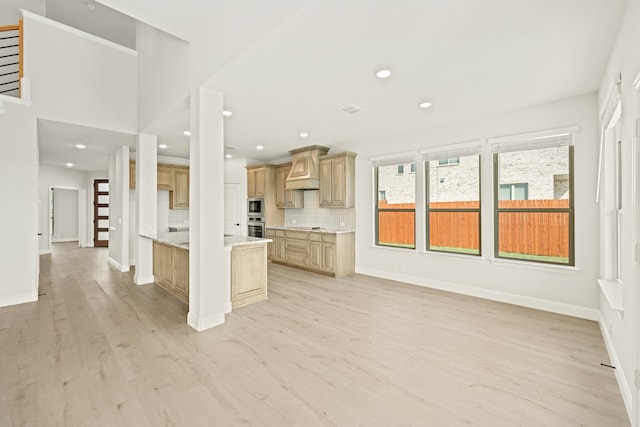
<point>428,210</point>
<point>570,211</point>
<point>377,211</point>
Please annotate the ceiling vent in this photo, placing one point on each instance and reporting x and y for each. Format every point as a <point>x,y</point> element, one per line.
<point>351,109</point>
<point>231,147</point>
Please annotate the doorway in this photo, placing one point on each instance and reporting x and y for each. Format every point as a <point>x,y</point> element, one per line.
<point>101,213</point>
<point>66,216</point>
<point>233,212</point>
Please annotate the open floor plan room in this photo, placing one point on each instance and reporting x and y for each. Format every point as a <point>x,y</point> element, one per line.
<point>355,351</point>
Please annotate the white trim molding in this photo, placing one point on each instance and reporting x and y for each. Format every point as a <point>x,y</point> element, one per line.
<point>115,264</point>
<point>623,384</point>
<point>19,299</point>
<point>521,300</point>
<point>203,323</point>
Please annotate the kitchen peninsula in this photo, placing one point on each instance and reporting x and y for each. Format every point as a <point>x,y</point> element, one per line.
<point>246,274</point>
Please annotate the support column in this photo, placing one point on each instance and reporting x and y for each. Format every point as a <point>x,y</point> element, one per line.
<point>208,294</point>
<point>146,204</point>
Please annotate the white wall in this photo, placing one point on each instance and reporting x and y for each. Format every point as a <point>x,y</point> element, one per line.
<point>53,176</point>
<point>65,215</point>
<point>619,333</point>
<point>19,189</point>
<point>78,78</point>
<point>169,67</point>
<point>119,209</point>
<point>560,289</point>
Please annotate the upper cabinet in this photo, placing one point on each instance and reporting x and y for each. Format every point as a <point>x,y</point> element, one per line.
<point>179,197</point>
<point>132,174</point>
<point>165,177</point>
<point>256,182</point>
<point>174,178</point>
<point>287,198</point>
<point>337,180</point>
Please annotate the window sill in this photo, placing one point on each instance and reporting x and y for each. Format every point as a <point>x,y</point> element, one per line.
<point>538,266</point>
<point>469,257</point>
<point>394,249</point>
<point>612,291</point>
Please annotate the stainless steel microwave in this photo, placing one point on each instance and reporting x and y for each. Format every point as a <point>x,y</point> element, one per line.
<point>255,207</point>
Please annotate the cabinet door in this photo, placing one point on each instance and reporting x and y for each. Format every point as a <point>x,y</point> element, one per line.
<point>329,257</point>
<point>325,183</point>
<point>280,249</point>
<point>338,182</point>
<point>181,271</point>
<point>281,177</point>
<point>259,192</point>
<point>248,274</point>
<point>167,264</point>
<point>181,189</point>
<point>251,183</point>
<point>165,178</point>
<point>315,255</point>
<point>132,174</point>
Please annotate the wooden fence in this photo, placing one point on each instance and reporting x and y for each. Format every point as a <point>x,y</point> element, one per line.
<point>536,233</point>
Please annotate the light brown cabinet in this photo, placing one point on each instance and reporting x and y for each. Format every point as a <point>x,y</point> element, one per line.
<point>327,253</point>
<point>165,177</point>
<point>174,178</point>
<point>132,174</point>
<point>261,183</point>
<point>248,274</point>
<point>179,197</point>
<point>171,269</point>
<point>337,180</point>
<point>286,199</point>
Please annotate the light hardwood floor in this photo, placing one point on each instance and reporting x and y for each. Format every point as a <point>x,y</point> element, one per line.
<point>358,351</point>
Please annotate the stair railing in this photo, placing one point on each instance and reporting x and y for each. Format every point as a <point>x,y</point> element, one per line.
<point>11,59</point>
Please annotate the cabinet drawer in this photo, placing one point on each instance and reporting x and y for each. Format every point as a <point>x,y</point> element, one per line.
<point>329,238</point>
<point>297,245</point>
<point>271,233</point>
<point>301,235</point>
<point>315,237</point>
<point>296,258</point>
<point>279,233</point>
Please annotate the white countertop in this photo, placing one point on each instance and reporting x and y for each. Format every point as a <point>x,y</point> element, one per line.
<point>180,239</point>
<point>310,229</point>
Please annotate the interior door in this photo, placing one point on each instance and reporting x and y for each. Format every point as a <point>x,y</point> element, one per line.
<point>233,203</point>
<point>101,213</point>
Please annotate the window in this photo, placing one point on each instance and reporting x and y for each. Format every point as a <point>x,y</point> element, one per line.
<point>449,161</point>
<point>514,191</point>
<point>533,183</point>
<point>453,204</point>
<point>396,205</point>
<point>413,168</point>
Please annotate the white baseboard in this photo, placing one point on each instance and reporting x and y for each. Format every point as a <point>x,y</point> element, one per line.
<point>115,264</point>
<point>141,280</point>
<point>64,239</point>
<point>203,323</point>
<point>623,384</point>
<point>521,300</point>
<point>44,251</point>
<point>18,299</point>
<point>227,307</point>
<point>132,263</point>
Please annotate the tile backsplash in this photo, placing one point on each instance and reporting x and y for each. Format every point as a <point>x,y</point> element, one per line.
<point>312,215</point>
<point>178,216</point>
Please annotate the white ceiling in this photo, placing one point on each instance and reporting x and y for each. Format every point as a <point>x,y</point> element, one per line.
<point>57,145</point>
<point>470,58</point>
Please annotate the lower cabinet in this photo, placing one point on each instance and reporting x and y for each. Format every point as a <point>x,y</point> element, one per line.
<point>248,274</point>
<point>171,269</point>
<point>327,253</point>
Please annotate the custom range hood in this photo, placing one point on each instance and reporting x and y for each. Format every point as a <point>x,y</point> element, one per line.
<point>305,168</point>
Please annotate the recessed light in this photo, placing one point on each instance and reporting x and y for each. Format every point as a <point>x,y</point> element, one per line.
<point>424,105</point>
<point>186,132</point>
<point>228,156</point>
<point>303,134</point>
<point>69,165</point>
<point>162,146</point>
<point>259,147</point>
<point>227,113</point>
<point>383,74</point>
<point>81,146</point>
